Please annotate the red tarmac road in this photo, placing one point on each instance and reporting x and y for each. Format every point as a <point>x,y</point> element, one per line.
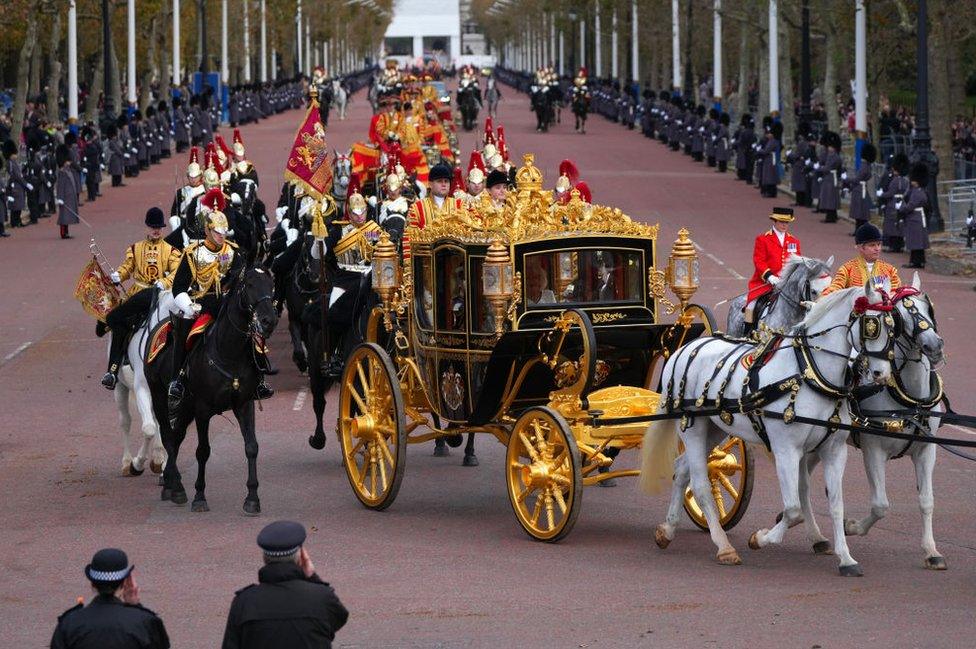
<point>447,565</point>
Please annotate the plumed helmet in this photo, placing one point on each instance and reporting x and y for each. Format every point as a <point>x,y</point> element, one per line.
<point>867,233</point>
<point>489,135</point>
<point>919,174</point>
<point>356,203</point>
<point>899,163</point>
<point>869,153</point>
<point>155,218</point>
<point>217,222</point>
<point>214,200</point>
<point>238,143</point>
<point>569,169</point>
<point>193,167</point>
<point>392,182</point>
<point>488,151</point>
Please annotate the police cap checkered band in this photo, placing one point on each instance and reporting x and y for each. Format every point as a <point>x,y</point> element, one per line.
<point>281,538</point>
<point>108,565</point>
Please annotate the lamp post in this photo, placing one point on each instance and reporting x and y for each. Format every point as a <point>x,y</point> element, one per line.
<point>202,29</point>
<point>922,150</point>
<point>805,76</point>
<point>689,73</point>
<point>72,62</point>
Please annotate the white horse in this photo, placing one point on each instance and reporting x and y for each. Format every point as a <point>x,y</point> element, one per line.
<point>711,369</point>
<point>918,349</point>
<point>132,383</point>
<point>339,98</point>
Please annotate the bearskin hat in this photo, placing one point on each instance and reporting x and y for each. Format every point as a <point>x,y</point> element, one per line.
<point>150,111</point>
<point>724,119</point>
<point>776,128</point>
<point>664,95</point>
<point>899,163</point>
<point>746,121</point>
<point>713,113</point>
<point>9,148</point>
<point>61,154</point>
<point>767,121</point>
<point>920,174</point>
<point>869,153</point>
<point>112,131</point>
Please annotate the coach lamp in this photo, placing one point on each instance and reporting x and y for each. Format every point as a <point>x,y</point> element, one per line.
<point>496,281</point>
<point>682,274</point>
<point>386,275</point>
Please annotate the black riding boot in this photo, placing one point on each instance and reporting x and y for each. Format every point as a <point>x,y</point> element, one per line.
<point>181,331</point>
<point>115,354</point>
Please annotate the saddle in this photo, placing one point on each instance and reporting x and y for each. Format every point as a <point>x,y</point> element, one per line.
<point>160,335</point>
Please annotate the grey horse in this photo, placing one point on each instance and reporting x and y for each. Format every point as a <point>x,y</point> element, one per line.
<point>803,280</point>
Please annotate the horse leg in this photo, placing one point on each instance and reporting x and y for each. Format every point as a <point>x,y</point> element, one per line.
<point>924,460</point>
<point>788,473</point>
<point>318,385</point>
<point>172,439</point>
<point>245,419</point>
<point>820,543</point>
<point>298,355</point>
<point>150,429</point>
<point>874,467</point>
<point>203,454</point>
<point>834,456</point>
<point>664,533</point>
<point>697,448</point>
<point>125,424</point>
<point>470,459</point>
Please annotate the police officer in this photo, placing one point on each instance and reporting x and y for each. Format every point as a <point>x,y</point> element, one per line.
<point>289,606</point>
<point>114,619</point>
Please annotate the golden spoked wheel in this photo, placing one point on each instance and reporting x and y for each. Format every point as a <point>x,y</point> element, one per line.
<point>372,427</point>
<point>543,473</point>
<point>730,474</point>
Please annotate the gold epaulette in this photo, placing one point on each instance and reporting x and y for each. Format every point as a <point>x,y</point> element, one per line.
<point>351,239</point>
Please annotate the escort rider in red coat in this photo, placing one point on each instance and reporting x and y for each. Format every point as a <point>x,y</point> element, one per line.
<point>772,249</point>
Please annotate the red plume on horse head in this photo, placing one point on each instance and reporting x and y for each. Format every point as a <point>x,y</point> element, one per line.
<point>214,200</point>
<point>489,136</point>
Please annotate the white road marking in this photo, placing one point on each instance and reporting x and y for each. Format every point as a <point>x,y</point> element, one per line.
<point>300,398</point>
<point>966,431</point>
<point>733,272</point>
<point>15,353</point>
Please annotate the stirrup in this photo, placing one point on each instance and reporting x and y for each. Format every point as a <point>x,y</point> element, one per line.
<point>175,391</point>
<point>109,380</point>
<point>264,391</point>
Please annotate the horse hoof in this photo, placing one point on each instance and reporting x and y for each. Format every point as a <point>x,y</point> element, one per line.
<point>134,472</point>
<point>166,494</point>
<point>252,507</point>
<point>822,547</point>
<point>301,362</point>
<point>935,563</point>
<point>470,460</point>
<point>779,518</point>
<point>729,558</point>
<point>317,441</point>
<point>199,506</point>
<point>754,541</point>
<point>661,538</point>
<point>178,497</point>
<point>454,440</point>
<point>851,528</point>
<point>156,467</point>
<point>853,570</point>
<point>441,451</point>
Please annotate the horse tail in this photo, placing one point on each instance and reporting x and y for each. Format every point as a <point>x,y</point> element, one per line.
<point>658,452</point>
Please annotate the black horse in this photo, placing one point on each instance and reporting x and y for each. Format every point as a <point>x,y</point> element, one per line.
<point>222,374</point>
<point>581,106</point>
<point>543,104</point>
<point>469,101</point>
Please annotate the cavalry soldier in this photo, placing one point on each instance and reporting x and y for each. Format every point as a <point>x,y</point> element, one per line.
<point>861,204</point>
<point>568,177</point>
<point>146,263</point>
<point>114,619</point>
<point>890,195</point>
<point>243,175</point>
<point>193,188</point>
<point>770,252</point>
<point>290,606</point>
<point>581,99</point>
<point>198,285</point>
<point>475,179</point>
<point>867,264</point>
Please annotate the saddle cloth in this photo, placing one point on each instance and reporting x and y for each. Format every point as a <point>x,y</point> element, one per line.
<point>159,336</point>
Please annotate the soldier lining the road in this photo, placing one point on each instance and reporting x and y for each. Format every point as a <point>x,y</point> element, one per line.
<point>114,619</point>
<point>290,606</point>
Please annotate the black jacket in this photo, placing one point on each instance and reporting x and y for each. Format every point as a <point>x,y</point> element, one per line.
<point>285,609</point>
<point>108,623</point>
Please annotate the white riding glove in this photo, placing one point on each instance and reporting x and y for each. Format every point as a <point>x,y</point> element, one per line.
<point>186,305</point>
<point>174,222</point>
<point>115,277</point>
<point>773,279</point>
<point>898,205</point>
<point>816,165</point>
<point>235,198</point>
<point>60,201</point>
<point>30,187</point>
<point>281,211</point>
<point>160,285</point>
<point>878,193</point>
<point>843,176</point>
<point>290,235</point>
<point>10,199</point>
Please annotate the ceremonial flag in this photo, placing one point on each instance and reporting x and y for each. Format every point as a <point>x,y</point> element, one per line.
<point>308,163</point>
<point>96,292</point>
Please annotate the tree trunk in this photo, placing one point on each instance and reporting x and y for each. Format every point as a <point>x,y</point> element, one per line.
<point>95,89</point>
<point>35,73</point>
<point>787,114</point>
<point>742,94</point>
<point>830,80</point>
<point>940,93</point>
<point>23,75</point>
<point>762,106</point>
<point>145,95</point>
<point>54,68</point>
<point>115,83</point>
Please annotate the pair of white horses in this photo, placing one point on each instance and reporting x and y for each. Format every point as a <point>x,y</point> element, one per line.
<point>855,330</point>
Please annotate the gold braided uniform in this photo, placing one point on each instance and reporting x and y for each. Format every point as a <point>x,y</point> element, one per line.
<point>855,273</point>
<point>147,261</point>
<point>207,268</point>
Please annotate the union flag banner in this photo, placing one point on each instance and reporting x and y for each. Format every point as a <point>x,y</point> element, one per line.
<point>308,163</point>
<point>96,292</point>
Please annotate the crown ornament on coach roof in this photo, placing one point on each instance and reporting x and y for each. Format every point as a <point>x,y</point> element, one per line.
<point>528,177</point>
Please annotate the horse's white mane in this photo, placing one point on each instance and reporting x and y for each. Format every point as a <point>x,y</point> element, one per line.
<point>824,305</point>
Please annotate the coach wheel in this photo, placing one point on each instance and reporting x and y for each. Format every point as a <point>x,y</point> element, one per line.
<point>372,426</point>
<point>730,468</point>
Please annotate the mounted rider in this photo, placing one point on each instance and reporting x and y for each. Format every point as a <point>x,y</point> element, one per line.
<point>286,240</point>
<point>771,250</point>
<point>147,263</point>
<point>181,201</point>
<point>867,265</point>
<point>200,283</point>
<point>581,99</point>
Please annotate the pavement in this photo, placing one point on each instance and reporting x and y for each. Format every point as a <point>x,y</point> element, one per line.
<point>447,565</point>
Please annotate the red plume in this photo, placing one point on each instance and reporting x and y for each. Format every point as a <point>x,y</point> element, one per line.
<point>194,155</point>
<point>214,200</point>
<point>237,137</point>
<point>210,159</point>
<point>584,190</point>
<point>457,182</point>
<point>568,168</point>
<point>502,147</point>
<point>476,161</point>
<point>355,185</point>
<point>489,134</point>
<point>223,145</point>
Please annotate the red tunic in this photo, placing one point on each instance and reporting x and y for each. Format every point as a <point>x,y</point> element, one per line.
<point>768,257</point>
